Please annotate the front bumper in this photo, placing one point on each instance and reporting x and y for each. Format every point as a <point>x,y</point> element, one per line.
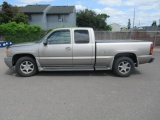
<point>8,62</point>
<point>151,60</point>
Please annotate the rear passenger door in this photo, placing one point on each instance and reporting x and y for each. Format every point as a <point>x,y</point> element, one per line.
<point>82,48</point>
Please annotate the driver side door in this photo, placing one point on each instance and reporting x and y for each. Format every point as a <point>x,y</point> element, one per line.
<point>58,51</point>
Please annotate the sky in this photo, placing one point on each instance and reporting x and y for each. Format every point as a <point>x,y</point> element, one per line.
<point>146,11</point>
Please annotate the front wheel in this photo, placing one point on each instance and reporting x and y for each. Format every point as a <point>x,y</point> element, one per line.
<point>26,67</point>
<point>123,67</point>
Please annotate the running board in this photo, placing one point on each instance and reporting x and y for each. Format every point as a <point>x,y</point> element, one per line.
<point>72,68</point>
<point>66,69</point>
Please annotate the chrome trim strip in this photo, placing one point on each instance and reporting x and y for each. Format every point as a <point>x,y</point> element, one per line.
<point>83,58</point>
<point>104,57</point>
<point>68,58</point>
<point>55,58</point>
<point>62,58</point>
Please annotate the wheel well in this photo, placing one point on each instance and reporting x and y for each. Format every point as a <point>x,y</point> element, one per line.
<point>16,57</point>
<point>130,55</point>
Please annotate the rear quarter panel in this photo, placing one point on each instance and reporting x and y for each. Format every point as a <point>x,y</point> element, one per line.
<point>107,51</point>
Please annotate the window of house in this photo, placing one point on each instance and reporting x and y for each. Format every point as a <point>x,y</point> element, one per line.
<point>60,37</point>
<point>65,18</point>
<point>81,36</point>
<point>62,18</point>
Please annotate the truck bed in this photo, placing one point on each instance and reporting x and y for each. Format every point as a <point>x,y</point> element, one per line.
<point>118,41</point>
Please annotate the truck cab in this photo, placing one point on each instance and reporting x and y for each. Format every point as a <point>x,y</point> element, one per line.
<point>67,48</point>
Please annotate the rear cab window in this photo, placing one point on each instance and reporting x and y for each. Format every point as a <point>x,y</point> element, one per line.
<point>81,36</point>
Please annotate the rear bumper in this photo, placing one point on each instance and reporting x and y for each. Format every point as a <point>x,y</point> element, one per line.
<point>8,62</point>
<point>151,60</point>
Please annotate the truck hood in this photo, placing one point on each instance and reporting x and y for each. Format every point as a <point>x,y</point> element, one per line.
<point>23,44</point>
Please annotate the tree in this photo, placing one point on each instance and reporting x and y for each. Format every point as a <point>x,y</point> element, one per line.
<point>88,18</point>
<point>6,13</point>
<point>12,13</point>
<point>103,16</point>
<point>154,24</point>
<point>129,23</point>
<point>20,17</point>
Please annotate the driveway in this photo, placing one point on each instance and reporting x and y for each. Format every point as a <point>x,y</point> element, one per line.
<point>81,95</point>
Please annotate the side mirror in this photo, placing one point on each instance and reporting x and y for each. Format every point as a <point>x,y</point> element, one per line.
<point>45,42</point>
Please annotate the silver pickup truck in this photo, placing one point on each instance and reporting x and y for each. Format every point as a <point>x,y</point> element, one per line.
<point>75,49</point>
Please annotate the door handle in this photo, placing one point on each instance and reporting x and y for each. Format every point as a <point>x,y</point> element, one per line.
<point>68,48</point>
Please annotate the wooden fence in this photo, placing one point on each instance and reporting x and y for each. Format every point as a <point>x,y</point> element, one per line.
<point>140,35</point>
<point>149,36</point>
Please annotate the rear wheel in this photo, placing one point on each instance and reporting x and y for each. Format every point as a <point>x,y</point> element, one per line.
<point>123,67</point>
<point>26,67</point>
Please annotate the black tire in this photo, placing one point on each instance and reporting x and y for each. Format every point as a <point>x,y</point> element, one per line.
<point>123,67</point>
<point>26,67</point>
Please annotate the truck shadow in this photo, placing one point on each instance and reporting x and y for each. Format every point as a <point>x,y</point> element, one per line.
<point>71,73</point>
<point>10,72</point>
<point>81,73</point>
<point>76,73</point>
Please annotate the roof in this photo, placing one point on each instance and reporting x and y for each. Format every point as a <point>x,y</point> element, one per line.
<point>61,10</point>
<point>33,8</point>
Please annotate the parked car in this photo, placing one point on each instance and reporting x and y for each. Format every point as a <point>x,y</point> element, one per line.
<point>75,49</point>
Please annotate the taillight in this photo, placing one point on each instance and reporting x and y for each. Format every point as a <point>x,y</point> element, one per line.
<point>151,49</point>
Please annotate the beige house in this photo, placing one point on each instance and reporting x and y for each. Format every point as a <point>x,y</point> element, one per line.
<point>115,27</point>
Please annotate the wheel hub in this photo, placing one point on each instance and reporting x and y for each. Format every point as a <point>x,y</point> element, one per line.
<point>124,67</point>
<point>27,67</point>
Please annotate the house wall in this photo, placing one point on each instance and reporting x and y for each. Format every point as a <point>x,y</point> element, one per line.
<point>72,18</point>
<point>40,19</point>
<point>36,19</point>
<point>115,27</point>
<point>44,19</point>
<point>53,21</point>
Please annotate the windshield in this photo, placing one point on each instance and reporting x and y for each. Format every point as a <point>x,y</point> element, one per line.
<point>39,41</point>
<point>44,37</point>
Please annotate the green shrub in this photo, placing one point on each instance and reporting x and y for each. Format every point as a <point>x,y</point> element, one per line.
<point>20,32</point>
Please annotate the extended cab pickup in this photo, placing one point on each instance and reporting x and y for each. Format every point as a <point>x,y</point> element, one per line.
<point>75,49</point>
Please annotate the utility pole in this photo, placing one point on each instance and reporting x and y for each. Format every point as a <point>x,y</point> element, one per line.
<point>134,18</point>
<point>139,23</point>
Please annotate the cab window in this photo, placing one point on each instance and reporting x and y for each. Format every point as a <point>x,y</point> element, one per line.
<point>59,37</point>
<point>81,36</point>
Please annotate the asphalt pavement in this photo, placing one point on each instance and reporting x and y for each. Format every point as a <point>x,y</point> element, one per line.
<point>81,95</point>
